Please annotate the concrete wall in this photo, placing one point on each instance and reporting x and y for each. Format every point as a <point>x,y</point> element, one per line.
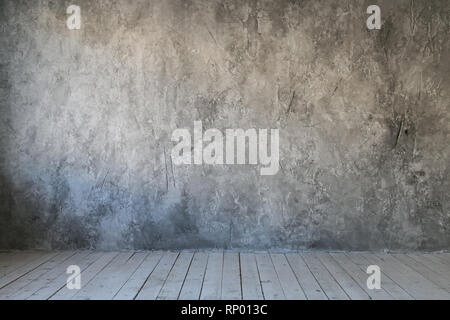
<point>87,118</point>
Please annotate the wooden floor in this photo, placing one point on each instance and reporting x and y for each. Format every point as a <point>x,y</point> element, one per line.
<point>222,275</point>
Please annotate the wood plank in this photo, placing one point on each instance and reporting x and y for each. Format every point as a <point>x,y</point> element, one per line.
<point>212,283</point>
<point>446,257</point>
<point>194,279</point>
<point>12,289</point>
<point>305,278</point>
<point>347,283</point>
<point>251,284</point>
<point>218,275</point>
<point>15,260</point>
<point>48,277</point>
<point>109,281</point>
<point>442,258</point>
<point>270,283</point>
<point>358,273</point>
<point>326,281</point>
<point>172,287</point>
<point>155,282</point>
<point>131,288</point>
<point>412,282</point>
<point>53,286</point>
<point>5,256</point>
<point>432,263</point>
<point>390,286</point>
<point>439,280</point>
<point>27,267</point>
<point>288,281</point>
<point>231,280</point>
<point>86,276</point>
<point>7,261</point>
<point>440,263</point>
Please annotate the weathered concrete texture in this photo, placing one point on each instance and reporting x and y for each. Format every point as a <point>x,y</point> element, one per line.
<point>87,116</point>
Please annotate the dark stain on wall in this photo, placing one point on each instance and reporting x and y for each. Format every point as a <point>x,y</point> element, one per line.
<point>87,116</point>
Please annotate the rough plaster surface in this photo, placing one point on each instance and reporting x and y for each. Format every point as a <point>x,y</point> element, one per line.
<point>87,117</point>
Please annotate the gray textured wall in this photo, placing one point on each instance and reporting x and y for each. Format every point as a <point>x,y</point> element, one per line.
<point>87,117</point>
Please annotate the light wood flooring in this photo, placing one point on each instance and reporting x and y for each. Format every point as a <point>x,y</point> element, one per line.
<point>226,275</point>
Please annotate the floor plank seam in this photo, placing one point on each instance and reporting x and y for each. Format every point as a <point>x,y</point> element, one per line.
<point>259,277</point>
<point>278,277</point>
<point>240,276</point>
<point>334,278</point>
<point>21,276</point>
<point>62,287</point>
<point>185,276</point>
<point>296,277</point>
<point>97,273</point>
<point>146,279</point>
<point>317,281</point>
<point>131,275</point>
